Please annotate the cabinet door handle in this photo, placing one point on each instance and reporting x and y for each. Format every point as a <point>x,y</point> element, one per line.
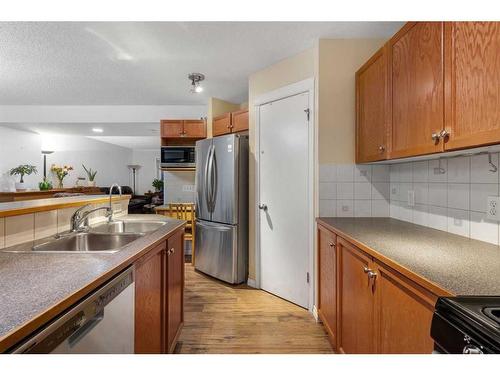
<point>172,250</point>
<point>443,134</point>
<point>366,269</point>
<point>381,148</point>
<point>435,137</point>
<point>331,244</point>
<point>372,275</point>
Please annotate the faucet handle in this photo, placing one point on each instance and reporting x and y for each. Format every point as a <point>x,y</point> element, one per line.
<point>79,211</point>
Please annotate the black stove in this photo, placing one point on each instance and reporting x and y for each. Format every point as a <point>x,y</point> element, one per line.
<point>468,325</point>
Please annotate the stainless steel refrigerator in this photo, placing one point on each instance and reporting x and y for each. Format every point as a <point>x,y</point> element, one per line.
<point>221,235</point>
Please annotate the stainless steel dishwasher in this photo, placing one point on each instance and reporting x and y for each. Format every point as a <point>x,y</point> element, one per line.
<point>103,322</point>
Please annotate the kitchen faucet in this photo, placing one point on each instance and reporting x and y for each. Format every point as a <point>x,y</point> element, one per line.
<point>110,217</point>
<point>82,217</point>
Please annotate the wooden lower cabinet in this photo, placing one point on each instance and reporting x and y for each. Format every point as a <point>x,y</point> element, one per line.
<point>159,289</point>
<point>356,308</point>
<point>175,287</point>
<point>378,310</point>
<point>149,306</point>
<point>327,294</point>
<point>403,314</point>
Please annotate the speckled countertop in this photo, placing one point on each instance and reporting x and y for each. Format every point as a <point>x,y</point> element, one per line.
<point>31,284</point>
<point>458,264</point>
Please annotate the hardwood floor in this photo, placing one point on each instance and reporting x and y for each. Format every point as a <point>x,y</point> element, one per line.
<point>220,318</point>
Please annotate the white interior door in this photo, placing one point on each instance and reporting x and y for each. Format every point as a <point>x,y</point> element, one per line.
<point>284,198</point>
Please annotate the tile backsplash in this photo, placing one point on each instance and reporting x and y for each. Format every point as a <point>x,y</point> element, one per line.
<point>445,194</point>
<point>449,194</point>
<point>348,190</point>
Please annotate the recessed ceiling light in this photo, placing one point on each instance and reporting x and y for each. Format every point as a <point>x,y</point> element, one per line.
<point>97,130</point>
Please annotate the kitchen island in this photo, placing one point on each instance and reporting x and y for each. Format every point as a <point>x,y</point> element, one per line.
<point>37,287</point>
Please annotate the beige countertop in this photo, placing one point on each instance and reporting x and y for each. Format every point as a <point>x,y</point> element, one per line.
<point>36,205</point>
<point>35,287</point>
<point>457,264</point>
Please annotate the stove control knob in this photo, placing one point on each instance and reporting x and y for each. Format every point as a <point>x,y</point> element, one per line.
<point>472,349</point>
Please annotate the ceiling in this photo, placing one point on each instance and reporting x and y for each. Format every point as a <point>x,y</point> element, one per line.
<point>147,63</point>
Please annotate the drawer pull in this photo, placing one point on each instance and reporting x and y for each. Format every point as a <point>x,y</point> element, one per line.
<point>331,244</point>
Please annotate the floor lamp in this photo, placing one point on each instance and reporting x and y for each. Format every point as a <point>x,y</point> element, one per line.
<point>134,168</point>
<point>45,153</point>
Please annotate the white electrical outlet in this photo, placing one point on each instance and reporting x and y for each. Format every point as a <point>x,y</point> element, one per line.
<point>493,208</point>
<point>188,188</point>
<point>411,198</point>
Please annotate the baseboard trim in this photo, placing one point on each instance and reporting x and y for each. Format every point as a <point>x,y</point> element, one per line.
<point>251,283</point>
<point>315,313</point>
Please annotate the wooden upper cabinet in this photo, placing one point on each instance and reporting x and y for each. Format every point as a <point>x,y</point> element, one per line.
<point>239,121</point>
<point>221,124</point>
<point>172,128</point>
<point>195,129</point>
<point>183,129</point>
<point>149,303</point>
<point>175,287</point>
<point>356,310</point>
<point>473,83</point>
<point>416,81</point>
<point>372,109</point>
<point>327,283</point>
<point>403,314</point>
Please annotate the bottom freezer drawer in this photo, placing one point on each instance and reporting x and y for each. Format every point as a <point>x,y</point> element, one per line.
<point>217,251</point>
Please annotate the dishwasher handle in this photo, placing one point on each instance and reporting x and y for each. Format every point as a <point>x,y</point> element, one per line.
<point>79,320</point>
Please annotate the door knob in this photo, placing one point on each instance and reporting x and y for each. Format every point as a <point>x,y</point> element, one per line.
<point>435,137</point>
<point>263,207</point>
<point>381,148</point>
<point>443,134</point>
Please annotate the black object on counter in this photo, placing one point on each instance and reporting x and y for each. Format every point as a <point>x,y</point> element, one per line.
<point>467,325</point>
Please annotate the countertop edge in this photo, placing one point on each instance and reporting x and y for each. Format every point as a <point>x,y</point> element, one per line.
<point>405,271</point>
<point>57,205</point>
<point>19,333</point>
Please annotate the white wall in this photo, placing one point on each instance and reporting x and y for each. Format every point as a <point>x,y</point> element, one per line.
<point>20,147</point>
<point>148,171</point>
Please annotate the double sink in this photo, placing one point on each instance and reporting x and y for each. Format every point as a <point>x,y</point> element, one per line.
<point>108,237</point>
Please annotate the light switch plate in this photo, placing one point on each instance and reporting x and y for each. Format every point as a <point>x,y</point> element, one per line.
<point>493,208</point>
<point>188,188</point>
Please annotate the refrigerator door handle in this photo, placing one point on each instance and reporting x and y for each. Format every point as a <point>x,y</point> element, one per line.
<point>205,182</point>
<point>214,174</point>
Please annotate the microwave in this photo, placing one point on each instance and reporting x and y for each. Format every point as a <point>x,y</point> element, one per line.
<point>178,157</point>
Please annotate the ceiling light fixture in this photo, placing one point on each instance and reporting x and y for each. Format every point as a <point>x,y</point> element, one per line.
<point>195,79</point>
<point>97,130</point>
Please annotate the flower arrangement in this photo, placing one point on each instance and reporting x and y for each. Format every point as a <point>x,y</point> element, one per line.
<point>61,172</point>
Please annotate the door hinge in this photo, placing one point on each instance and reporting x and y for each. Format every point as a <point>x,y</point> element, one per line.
<point>307,277</point>
<point>308,113</point>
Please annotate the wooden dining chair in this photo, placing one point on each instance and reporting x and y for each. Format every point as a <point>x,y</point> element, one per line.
<point>185,211</point>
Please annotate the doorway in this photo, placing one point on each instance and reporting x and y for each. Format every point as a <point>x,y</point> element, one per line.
<point>284,193</point>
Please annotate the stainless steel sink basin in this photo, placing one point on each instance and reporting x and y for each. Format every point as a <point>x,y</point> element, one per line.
<point>87,243</point>
<point>128,226</point>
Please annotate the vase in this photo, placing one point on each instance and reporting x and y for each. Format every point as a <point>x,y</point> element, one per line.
<point>91,183</point>
<point>20,186</point>
<point>60,184</point>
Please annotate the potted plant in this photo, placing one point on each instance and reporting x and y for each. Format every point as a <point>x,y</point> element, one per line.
<point>60,173</point>
<point>158,185</point>
<point>22,170</point>
<point>90,174</point>
<point>45,185</point>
